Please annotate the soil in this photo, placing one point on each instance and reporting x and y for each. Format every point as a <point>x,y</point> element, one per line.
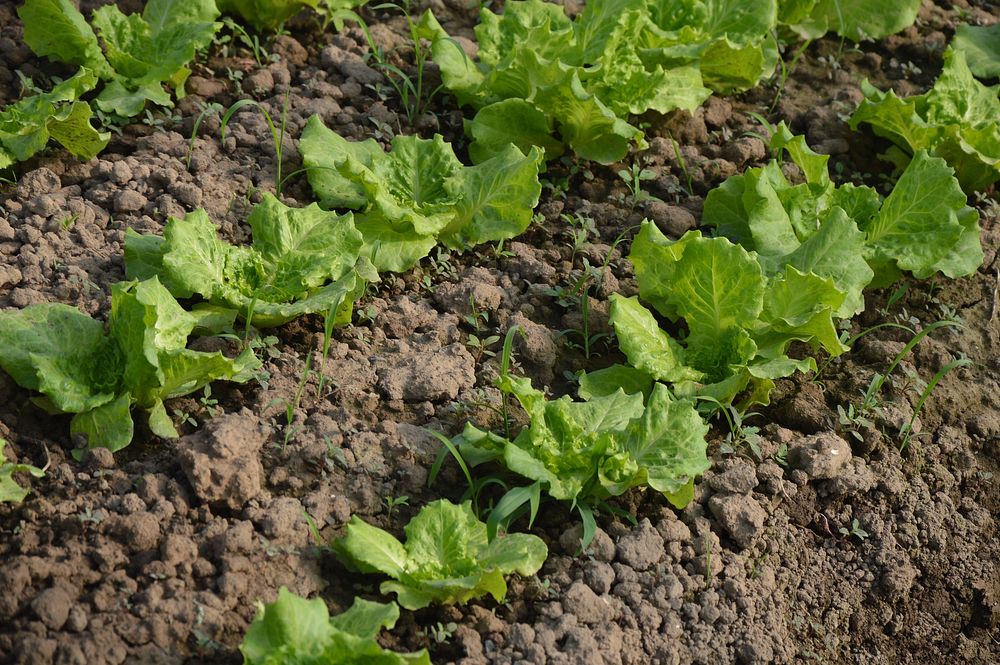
<point>830,545</point>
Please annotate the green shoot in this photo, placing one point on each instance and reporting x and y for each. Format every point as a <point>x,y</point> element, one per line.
<point>207,110</point>
<point>277,132</point>
<point>907,429</point>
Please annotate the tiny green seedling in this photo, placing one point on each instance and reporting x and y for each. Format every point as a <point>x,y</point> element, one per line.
<point>855,531</point>
<point>633,179</point>
<point>391,502</point>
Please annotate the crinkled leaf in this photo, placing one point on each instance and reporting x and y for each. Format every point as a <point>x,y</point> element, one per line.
<point>107,426</point>
<point>956,120</point>
<point>296,631</point>
<point>287,271</point>
<point>419,193</point>
<point>417,183</point>
<point>10,491</point>
<point>390,248</point>
<point>27,125</point>
<point>369,549</point>
<point>854,19</point>
<point>608,380</point>
<point>799,306</point>
<point>981,47</point>
<point>57,29</point>
<point>265,15</point>
<point>446,557</point>
<point>918,224</point>
<point>647,347</point>
<point>323,153</point>
<point>512,121</point>
<point>497,199</point>
<point>667,444</point>
<point>837,251</point>
<point>64,354</point>
<point>75,133</point>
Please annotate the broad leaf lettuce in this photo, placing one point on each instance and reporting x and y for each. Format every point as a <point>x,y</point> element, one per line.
<point>848,233</point>
<point>957,120</point>
<point>140,52</point>
<point>542,79</point>
<point>302,261</point>
<point>55,350</point>
<point>296,631</point>
<point>27,125</point>
<point>854,19</point>
<point>740,322</point>
<point>446,559</point>
<point>588,451</point>
<point>420,194</point>
<point>10,491</point>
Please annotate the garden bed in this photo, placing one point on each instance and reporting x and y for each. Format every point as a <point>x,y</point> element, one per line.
<point>159,553</point>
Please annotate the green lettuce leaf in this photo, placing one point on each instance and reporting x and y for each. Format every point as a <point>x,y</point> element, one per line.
<point>981,47</point>
<point>66,356</point>
<point>957,120</point>
<point>57,350</point>
<point>740,320</point>
<point>918,224</point>
<point>302,261</point>
<point>296,631</point>
<point>269,15</point>
<point>543,79</point>
<point>419,194</point>
<point>847,233</point>
<point>27,125</point>
<point>56,29</point>
<point>585,452</point>
<point>10,491</point>
<point>447,557</point>
<point>140,52</point>
<point>857,20</point>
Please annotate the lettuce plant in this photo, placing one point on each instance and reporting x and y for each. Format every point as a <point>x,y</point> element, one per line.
<point>142,360</point>
<point>302,261</point>
<point>587,451</point>
<point>27,125</point>
<point>10,491</point>
<point>542,79</point>
<point>140,52</point>
<point>420,194</point>
<point>849,233</point>
<point>854,19</point>
<point>957,120</point>
<point>447,557</point>
<point>740,322</point>
<point>980,44</point>
<point>296,631</point>
<point>269,15</point>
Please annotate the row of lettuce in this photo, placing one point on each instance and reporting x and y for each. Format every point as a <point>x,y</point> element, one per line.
<point>788,262</point>
<point>540,78</point>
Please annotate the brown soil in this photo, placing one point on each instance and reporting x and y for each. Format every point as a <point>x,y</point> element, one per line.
<point>158,554</point>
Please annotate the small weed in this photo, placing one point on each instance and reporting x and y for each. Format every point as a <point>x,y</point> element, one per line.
<point>412,91</point>
<point>392,502</point>
<point>441,633</point>
<point>277,133</point>
<point>581,229</point>
<point>206,110</point>
<point>855,531</point>
<point>185,418</point>
<point>633,179</point>
<point>334,454</point>
<point>683,165</point>
<point>209,403</point>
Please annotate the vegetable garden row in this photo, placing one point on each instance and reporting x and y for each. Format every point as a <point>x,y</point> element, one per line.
<point>775,279</point>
